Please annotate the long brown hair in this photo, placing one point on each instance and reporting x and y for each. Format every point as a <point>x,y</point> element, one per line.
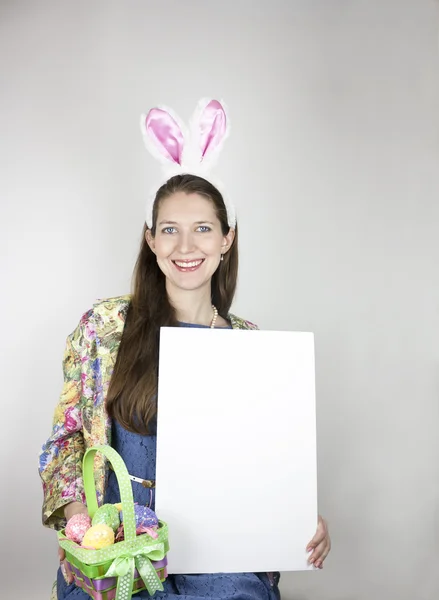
<point>131,398</point>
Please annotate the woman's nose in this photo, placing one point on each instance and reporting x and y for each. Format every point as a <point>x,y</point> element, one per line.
<point>186,242</point>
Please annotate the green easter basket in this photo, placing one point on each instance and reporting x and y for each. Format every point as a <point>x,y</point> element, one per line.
<point>124,568</point>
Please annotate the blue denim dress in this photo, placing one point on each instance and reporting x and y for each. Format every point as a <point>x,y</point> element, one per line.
<point>139,453</point>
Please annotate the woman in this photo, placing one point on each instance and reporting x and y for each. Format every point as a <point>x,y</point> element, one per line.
<point>186,276</point>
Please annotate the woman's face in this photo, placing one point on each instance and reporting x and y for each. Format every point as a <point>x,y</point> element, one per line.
<point>188,242</point>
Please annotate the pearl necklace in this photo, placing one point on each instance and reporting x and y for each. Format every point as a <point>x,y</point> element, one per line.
<point>215,317</point>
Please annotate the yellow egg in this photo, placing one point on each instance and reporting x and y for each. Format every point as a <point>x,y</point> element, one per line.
<point>98,536</point>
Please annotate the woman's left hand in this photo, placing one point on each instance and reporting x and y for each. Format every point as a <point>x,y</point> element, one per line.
<point>320,544</point>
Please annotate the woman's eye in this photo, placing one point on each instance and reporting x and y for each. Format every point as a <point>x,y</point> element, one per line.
<point>203,229</point>
<point>169,230</point>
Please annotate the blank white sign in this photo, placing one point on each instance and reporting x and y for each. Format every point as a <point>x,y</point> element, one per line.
<point>236,449</point>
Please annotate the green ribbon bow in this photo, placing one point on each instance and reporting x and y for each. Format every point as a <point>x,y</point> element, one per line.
<point>123,567</point>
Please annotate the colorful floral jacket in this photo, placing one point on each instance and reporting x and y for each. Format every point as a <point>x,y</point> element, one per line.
<point>80,419</point>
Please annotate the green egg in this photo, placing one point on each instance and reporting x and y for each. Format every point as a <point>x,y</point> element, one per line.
<point>108,515</point>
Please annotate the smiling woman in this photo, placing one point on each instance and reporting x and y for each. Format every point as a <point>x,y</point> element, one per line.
<point>185,276</point>
<point>190,237</point>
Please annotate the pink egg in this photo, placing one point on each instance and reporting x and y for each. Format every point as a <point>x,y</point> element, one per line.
<point>77,526</point>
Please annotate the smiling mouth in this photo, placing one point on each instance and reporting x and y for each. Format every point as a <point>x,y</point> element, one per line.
<point>188,265</point>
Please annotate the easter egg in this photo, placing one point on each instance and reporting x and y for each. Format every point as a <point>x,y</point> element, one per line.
<point>98,536</point>
<point>107,514</point>
<point>145,517</point>
<point>76,527</point>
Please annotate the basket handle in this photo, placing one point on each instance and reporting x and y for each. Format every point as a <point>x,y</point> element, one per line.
<point>123,480</point>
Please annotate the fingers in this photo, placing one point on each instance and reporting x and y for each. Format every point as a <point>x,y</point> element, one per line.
<point>320,535</point>
<point>66,572</point>
<point>320,553</point>
<point>320,545</point>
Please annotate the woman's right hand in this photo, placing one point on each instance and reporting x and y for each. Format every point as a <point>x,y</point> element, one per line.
<point>73,508</point>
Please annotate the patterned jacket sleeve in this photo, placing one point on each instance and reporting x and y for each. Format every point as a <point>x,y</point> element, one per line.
<point>60,461</point>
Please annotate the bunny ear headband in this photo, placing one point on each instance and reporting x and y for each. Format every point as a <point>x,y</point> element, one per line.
<point>193,151</point>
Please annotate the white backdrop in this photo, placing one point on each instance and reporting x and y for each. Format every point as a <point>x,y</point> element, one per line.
<point>333,165</point>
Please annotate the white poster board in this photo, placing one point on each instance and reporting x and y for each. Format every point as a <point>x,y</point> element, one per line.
<point>236,449</point>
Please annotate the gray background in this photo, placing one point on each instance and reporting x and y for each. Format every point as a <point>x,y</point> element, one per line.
<point>333,166</point>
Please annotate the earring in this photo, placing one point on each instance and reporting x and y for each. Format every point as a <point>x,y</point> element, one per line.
<point>222,257</point>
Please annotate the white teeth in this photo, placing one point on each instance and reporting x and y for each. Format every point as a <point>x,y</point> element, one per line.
<point>187,265</point>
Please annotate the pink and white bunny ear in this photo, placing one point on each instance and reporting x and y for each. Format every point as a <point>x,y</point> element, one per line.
<point>209,128</point>
<point>163,135</point>
<point>213,127</point>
